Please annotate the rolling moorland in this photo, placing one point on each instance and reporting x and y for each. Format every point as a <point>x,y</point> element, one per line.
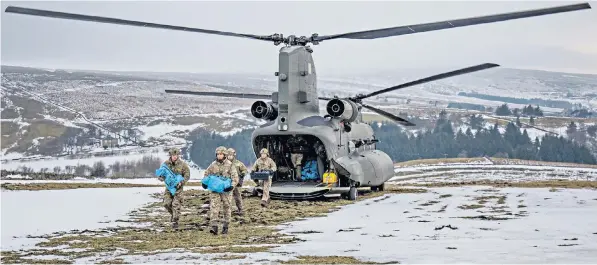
<point>474,180</point>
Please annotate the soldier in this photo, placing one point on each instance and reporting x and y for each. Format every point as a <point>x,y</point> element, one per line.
<point>242,171</point>
<point>297,159</point>
<point>174,203</point>
<point>265,163</point>
<point>221,167</point>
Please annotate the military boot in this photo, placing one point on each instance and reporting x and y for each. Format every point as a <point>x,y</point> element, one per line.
<point>174,222</point>
<point>214,230</point>
<point>225,229</point>
<point>263,203</point>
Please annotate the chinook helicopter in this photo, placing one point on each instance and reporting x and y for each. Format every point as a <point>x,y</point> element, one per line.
<point>340,144</point>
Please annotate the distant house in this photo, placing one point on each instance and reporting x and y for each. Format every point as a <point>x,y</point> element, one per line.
<point>109,142</point>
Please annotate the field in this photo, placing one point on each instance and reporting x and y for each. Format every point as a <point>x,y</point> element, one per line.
<point>449,211</point>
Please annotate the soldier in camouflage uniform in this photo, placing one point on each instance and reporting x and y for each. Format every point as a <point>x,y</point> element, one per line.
<point>265,163</point>
<point>221,167</point>
<point>242,171</point>
<point>174,203</point>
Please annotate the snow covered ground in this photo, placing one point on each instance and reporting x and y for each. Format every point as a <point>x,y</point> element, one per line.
<point>473,224</point>
<point>485,170</point>
<point>543,226</point>
<point>38,213</point>
<point>50,163</point>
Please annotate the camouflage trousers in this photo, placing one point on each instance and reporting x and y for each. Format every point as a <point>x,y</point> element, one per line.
<point>266,184</point>
<point>238,199</point>
<point>296,159</point>
<point>173,203</point>
<point>217,201</point>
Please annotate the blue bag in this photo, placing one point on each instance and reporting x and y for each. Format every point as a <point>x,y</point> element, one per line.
<point>310,171</point>
<point>170,179</point>
<point>217,183</point>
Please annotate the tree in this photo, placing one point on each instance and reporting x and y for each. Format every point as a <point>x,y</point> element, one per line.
<point>532,120</point>
<point>592,130</point>
<point>57,170</point>
<point>503,110</point>
<point>99,170</point>
<point>571,128</point>
<point>518,121</point>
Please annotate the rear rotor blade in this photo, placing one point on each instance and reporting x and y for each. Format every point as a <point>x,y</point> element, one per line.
<point>411,29</point>
<point>219,94</point>
<point>390,116</point>
<point>54,14</point>
<point>431,78</point>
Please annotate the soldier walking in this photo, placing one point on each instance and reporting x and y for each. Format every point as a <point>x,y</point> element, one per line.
<point>265,163</point>
<point>242,171</point>
<point>221,167</point>
<point>174,203</point>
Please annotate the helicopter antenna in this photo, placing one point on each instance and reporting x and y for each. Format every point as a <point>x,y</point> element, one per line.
<point>314,38</point>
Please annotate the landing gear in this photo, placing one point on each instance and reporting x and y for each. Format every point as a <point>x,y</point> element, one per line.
<point>353,193</point>
<point>378,188</point>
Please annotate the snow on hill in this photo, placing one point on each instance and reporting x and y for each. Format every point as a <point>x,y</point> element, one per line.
<point>53,113</point>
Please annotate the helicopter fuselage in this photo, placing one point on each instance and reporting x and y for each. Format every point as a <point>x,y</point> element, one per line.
<point>342,144</point>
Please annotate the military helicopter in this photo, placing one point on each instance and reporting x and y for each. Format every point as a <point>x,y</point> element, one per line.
<point>340,144</point>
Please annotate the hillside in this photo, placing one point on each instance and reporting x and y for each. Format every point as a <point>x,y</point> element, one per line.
<point>52,113</point>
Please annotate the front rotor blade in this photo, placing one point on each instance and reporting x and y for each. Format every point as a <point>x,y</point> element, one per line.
<point>431,78</point>
<point>219,94</point>
<point>54,14</point>
<point>411,29</point>
<point>390,116</point>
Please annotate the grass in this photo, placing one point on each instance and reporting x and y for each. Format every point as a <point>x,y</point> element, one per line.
<point>435,161</point>
<point>330,260</point>
<point>65,186</point>
<point>470,206</point>
<point>569,184</point>
<point>256,227</point>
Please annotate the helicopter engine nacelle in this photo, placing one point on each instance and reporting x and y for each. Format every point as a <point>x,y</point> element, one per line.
<point>343,109</point>
<point>263,110</point>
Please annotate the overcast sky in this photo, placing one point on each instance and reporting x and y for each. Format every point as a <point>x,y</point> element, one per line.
<point>561,42</point>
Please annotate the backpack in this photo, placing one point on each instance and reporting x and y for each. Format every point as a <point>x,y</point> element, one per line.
<point>310,170</point>
<point>217,183</point>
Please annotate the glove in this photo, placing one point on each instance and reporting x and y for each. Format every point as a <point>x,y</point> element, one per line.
<point>228,189</point>
<point>204,186</point>
<point>179,185</point>
<point>161,178</point>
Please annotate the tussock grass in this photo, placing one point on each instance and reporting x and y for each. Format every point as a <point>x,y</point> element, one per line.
<point>330,260</point>
<point>435,161</point>
<point>569,184</point>
<point>66,186</point>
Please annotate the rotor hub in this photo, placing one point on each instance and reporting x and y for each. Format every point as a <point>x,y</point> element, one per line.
<point>293,40</point>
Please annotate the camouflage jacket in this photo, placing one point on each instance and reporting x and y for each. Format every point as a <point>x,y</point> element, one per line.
<point>224,169</point>
<point>241,169</point>
<point>264,164</point>
<point>180,167</point>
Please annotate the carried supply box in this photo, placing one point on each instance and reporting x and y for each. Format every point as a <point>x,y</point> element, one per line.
<point>260,175</point>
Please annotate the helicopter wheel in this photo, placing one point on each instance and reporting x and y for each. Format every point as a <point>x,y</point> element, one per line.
<point>353,193</point>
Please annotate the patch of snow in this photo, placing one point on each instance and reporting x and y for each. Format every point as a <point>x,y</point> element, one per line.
<point>42,212</point>
<point>398,228</point>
